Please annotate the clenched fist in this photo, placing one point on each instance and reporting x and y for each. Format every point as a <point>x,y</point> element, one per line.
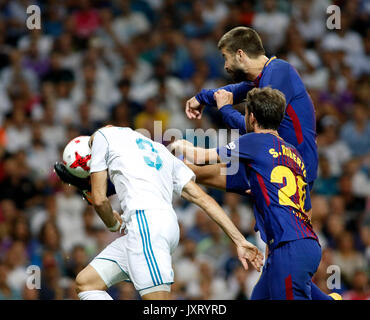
<point>179,146</point>
<point>223,98</point>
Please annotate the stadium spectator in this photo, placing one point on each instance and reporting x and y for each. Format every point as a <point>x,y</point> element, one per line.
<point>16,262</point>
<point>6,291</point>
<point>336,151</point>
<point>356,132</point>
<point>271,25</point>
<point>361,290</point>
<point>326,183</point>
<point>347,257</point>
<point>129,23</point>
<point>69,220</point>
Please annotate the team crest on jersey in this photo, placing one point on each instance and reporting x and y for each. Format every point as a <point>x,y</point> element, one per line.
<point>231,146</point>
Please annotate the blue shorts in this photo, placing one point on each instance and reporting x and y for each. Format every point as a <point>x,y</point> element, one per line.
<point>288,271</point>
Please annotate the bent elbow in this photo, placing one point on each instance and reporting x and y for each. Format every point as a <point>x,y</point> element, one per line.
<point>98,202</point>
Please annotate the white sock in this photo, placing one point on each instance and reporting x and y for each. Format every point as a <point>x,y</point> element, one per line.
<point>94,295</point>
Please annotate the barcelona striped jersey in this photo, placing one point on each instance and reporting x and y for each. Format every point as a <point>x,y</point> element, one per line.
<point>277,176</point>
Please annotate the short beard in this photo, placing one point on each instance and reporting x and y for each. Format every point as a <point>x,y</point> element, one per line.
<point>238,75</point>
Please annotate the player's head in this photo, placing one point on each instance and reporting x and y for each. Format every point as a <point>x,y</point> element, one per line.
<point>265,109</point>
<point>239,47</point>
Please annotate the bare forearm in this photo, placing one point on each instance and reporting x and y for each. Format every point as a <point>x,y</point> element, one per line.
<point>210,175</point>
<point>199,155</point>
<point>215,212</point>
<point>193,193</point>
<point>105,212</point>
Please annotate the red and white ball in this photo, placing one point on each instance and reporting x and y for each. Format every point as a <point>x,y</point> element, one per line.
<point>77,156</point>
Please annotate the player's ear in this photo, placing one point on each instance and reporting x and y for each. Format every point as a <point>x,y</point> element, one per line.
<point>91,140</point>
<point>239,55</point>
<point>252,119</point>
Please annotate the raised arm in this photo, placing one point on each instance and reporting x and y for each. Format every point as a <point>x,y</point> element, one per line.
<point>239,91</point>
<point>231,117</point>
<point>246,251</point>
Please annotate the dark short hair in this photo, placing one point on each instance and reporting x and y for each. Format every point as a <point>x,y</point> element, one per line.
<point>243,38</point>
<point>267,106</point>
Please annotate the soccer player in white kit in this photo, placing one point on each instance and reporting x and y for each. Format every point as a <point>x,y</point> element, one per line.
<point>145,175</point>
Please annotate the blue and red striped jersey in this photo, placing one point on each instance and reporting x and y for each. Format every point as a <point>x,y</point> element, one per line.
<point>298,126</point>
<point>277,176</point>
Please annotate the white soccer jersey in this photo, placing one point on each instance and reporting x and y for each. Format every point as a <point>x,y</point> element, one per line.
<point>145,174</point>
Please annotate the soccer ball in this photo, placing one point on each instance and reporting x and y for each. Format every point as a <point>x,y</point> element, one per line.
<point>77,156</point>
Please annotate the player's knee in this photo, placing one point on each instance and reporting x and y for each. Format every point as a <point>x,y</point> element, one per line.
<point>81,282</point>
<point>88,279</point>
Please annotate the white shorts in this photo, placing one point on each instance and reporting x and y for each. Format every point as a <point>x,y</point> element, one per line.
<point>144,254</point>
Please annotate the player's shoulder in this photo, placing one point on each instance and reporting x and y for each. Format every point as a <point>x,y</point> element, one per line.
<point>252,136</point>
<point>258,140</point>
<point>113,130</point>
<point>279,65</point>
<point>283,70</point>
<point>113,134</point>
<point>251,141</point>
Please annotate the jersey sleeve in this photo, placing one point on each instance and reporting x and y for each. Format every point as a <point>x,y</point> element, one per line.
<point>239,149</point>
<point>237,155</point>
<point>233,118</point>
<point>99,153</point>
<point>181,175</point>
<point>239,91</point>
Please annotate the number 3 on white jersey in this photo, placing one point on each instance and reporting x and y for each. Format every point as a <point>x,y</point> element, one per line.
<point>151,157</point>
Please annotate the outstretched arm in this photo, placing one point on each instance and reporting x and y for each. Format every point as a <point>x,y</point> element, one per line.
<point>231,117</point>
<point>239,91</point>
<point>246,251</point>
<point>194,154</point>
<point>210,175</point>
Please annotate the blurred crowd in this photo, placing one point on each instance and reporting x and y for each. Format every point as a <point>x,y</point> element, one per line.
<point>129,63</point>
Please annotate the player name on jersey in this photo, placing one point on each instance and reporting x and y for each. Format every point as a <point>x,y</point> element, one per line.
<point>290,154</point>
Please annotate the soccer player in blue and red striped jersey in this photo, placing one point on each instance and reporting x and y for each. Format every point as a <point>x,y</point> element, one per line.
<point>245,60</point>
<point>277,176</point>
